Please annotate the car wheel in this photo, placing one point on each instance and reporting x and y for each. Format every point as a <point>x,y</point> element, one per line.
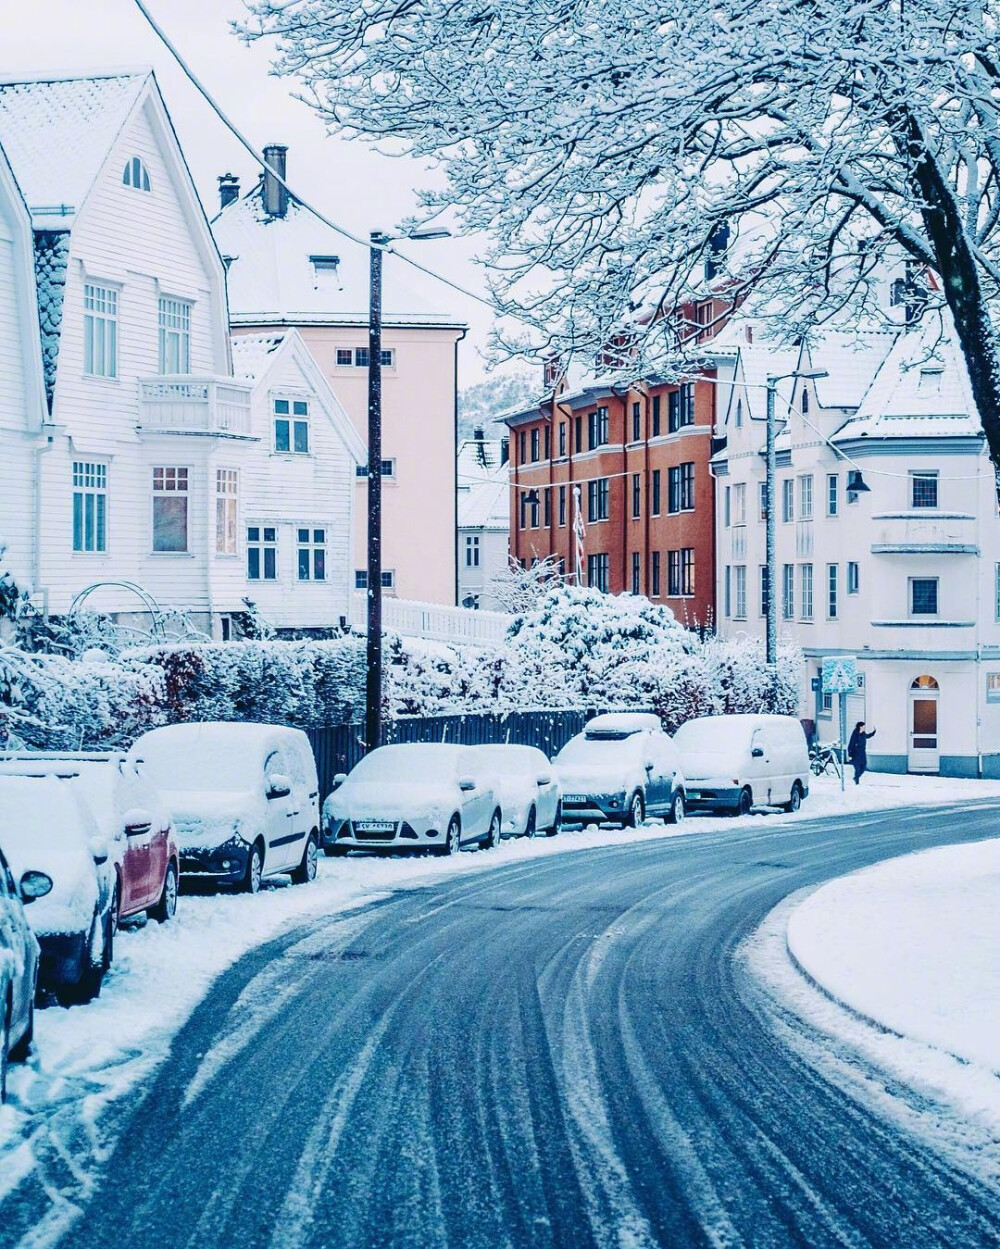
<point>676,813</point>
<point>306,870</point>
<point>19,1052</point>
<point>92,969</point>
<point>816,767</point>
<point>493,835</point>
<point>745,802</point>
<point>795,801</point>
<point>529,827</point>
<point>166,908</point>
<point>255,870</point>
<point>453,838</point>
<point>557,825</point>
<point>636,811</point>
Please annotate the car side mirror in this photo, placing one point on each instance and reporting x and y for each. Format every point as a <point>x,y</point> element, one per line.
<point>278,786</point>
<point>649,765</point>
<point>757,753</point>
<point>544,778</point>
<point>137,822</point>
<point>34,885</point>
<point>465,783</point>
<point>99,850</point>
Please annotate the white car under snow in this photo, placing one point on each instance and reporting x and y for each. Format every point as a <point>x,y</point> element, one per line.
<point>413,796</point>
<point>526,784</point>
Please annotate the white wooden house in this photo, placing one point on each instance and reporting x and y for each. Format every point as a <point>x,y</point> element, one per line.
<point>147,445</point>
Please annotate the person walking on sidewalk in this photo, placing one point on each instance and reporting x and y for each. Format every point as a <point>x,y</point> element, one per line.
<point>857,750</point>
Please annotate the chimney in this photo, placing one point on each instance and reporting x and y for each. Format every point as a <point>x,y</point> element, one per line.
<point>479,434</point>
<point>229,189</point>
<point>275,195</point>
<point>504,450</point>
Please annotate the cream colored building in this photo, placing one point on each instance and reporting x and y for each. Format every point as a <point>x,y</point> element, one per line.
<point>287,269</point>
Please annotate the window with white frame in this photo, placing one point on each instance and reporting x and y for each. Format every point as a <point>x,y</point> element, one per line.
<point>832,605</point>
<point>739,512</point>
<point>788,591</point>
<point>262,553</point>
<point>832,494</point>
<point>291,426</point>
<point>472,550</point>
<point>175,335</point>
<point>727,591</point>
<point>311,554</point>
<point>135,174</point>
<point>923,488</point>
<point>740,591</point>
<point>763,589</point>
<point>727,507</point>
<point>762,502</point>
<point>170,510</point>
<point>854,577</point>
<point>90,507</point>
<point>226,507</point>
<point>388,469</point>
<point>923,596</point>
<point>100,330</point>
<point>359,356</point>
<point>806,591</point>
<point>361,578</point>
<point>345,356</point>
<point>806,497</point>
<point>788,499</point>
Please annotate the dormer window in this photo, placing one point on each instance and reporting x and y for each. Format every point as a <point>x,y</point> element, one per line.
<point>324,264</point>
<point>136,175</point>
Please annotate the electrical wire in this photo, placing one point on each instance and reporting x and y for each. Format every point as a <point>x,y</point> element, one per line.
<point>258,157</point>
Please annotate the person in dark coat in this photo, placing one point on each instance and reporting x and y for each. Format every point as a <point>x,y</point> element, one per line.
<point>857,750</point>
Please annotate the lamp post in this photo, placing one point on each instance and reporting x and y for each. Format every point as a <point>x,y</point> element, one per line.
<point>378,243</point>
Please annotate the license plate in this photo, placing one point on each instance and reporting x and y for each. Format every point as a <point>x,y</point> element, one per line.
<point>375,826</point>
<point>575,798</point>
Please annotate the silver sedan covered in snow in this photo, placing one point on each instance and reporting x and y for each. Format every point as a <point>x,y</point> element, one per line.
<point>527,785</point>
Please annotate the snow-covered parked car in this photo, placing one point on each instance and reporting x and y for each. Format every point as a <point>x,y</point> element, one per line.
<point>132,817</point>
<point>47,827</point>
<point>526,785</point>
<point>19,955</point>
<point>243,799</point>
<point>620,769</point>
<point>735,762</point>
<point>414,796</point>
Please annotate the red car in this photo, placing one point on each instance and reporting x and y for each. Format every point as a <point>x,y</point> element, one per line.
<point>130,815</point>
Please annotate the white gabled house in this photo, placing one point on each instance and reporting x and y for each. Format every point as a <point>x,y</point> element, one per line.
<point>137,467</point>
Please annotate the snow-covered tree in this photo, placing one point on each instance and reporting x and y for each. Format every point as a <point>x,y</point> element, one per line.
<point>608,146</point>
<point>516,590</point>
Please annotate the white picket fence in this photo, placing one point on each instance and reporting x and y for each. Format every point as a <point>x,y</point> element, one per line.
<point>434,621</point>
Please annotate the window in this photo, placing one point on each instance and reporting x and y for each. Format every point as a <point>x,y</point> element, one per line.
<point>654,575</point>
<point>681,407</point>
<point>387,357</point>
<point>90,506</point>
<point>636,423</point>
<point>562,438</point>
<point>291,427</point>
<point>654,503</point>
<point>597,428</point>
<point>388,469</point>
<point>727,507</point>
<point>923,596</point>
<point>763,589</point>
<point>226,503</point>
<point>656,417</point>
<point>578,433</point>
<point>727,591</point>
<point>806,591</point>
<point>993,687</point>
<point>923,489</point>
<point>636,566</point>
<point>597,499</point>
<point>831,591</point>
<point>548,443</point>
<point>345,355</point>
<point>170,510</point>
<point>739,413</point>
<point>636,496</point>
<point>135,174</point>
<point>534,445</point>
<point>787,591</point>
<point>472,551</point>
<point>832,494</point>
<point>680,573</point>
<point>531,499</point>
<point>805,401</point>
<point>788,499</point>
<point>562,506</point>
<point>762,503</point>
<point>311,554</point>
<point>325,264</point>
<point>361,357</point>
<point>597,572</point>
<point>806,497</point>
<point>100,330</point>
<point>388,579</point>
<point>547,506</point>
<point>262,553</point>
<point>681,488</point>
<point>175,336</point>
<point>740,580</point>
<point>739,513</point>
<point>522,446</point>
<point>853,577</point>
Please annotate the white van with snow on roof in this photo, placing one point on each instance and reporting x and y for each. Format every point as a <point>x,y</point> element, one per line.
<point>733,763</point>
<point>243,798</point>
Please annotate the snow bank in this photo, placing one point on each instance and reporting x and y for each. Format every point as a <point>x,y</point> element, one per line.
<point>912,944</point>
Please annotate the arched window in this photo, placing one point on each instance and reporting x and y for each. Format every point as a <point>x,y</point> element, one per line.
<point>925,683</point>
<point>136,174</point>
<point>739,413</point>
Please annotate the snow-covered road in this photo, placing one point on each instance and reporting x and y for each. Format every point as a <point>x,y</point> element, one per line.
<point>68,1103</point>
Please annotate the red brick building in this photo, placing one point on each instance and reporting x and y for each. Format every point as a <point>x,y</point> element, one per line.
<point>640,462</point>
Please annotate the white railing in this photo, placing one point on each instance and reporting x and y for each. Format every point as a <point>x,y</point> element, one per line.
<point>433,621</point>
<point>197,404</point>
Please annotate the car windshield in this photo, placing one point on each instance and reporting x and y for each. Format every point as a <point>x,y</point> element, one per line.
<point>706,736</point>
<point>389,764</point>
<point>584,749</point>
<point>507,758</point>
<point>198,765</point>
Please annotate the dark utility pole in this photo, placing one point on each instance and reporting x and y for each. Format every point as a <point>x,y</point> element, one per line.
<point>373,685</point>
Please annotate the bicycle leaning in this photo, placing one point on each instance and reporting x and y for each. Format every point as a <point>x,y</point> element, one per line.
<point>825,757</point>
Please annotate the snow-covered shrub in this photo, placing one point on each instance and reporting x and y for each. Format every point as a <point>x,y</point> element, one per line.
<point>741,682</point>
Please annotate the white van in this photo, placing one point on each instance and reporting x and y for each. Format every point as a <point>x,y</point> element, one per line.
<point>733,763</point>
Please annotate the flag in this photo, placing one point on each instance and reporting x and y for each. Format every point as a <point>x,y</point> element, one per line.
<point>579,533</point>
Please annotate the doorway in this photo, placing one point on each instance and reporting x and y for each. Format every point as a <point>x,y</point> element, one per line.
<point>924,754</point>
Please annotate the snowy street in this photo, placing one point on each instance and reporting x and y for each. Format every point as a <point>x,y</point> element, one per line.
<point>596,1064</point>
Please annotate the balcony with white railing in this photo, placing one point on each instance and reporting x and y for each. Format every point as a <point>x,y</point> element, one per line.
<point>435,621</point>
<point>924,531</point>
<point>194,405</point>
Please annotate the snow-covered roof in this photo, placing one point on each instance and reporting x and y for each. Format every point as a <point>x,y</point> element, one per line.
<point>252,354</point>
<point>850,361</point>
<point>483,487</point>
<point>478,458</point>
<point>273,279</point>
<point>58,132</point>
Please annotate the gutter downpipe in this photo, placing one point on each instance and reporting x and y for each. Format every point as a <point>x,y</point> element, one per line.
<point>37,561</point>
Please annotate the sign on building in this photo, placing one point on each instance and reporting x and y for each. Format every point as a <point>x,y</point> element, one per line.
<point>840,674</point>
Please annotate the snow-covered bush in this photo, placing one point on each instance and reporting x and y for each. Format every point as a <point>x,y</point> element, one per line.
<point>740,678</point>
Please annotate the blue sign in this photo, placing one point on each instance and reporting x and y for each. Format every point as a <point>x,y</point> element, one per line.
<point>840,674</point>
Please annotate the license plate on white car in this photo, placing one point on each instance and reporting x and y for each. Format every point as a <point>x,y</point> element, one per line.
<point>375,826</point>
<point>575,798</point>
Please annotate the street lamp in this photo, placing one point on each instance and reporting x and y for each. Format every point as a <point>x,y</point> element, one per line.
<point>378,243</point>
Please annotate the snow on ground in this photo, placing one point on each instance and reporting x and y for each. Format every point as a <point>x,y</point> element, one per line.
<point>86,1058</point>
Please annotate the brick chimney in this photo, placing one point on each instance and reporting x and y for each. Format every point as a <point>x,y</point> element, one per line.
<point>275,195</point>
<point>229,189</point>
